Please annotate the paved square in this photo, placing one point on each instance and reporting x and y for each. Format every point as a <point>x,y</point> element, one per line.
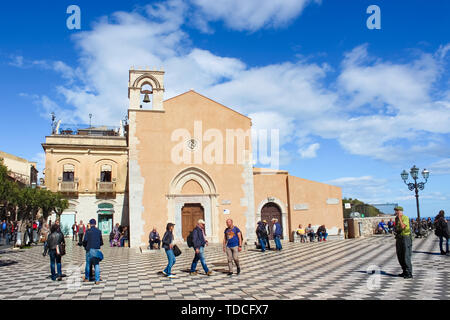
<point>328,270</point>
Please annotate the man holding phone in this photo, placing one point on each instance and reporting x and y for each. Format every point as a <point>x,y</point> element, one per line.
<point>403,243</point>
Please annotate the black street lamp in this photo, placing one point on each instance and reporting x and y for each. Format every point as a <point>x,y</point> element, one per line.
<point>416,186</point>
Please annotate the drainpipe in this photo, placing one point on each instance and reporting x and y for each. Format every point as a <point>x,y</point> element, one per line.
<point>291,237</point>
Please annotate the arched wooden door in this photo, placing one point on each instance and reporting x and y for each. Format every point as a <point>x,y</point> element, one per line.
<point>268,212</point>
<point>190,214</point>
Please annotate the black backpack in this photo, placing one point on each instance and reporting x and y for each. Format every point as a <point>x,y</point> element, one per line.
<point>190,239</point>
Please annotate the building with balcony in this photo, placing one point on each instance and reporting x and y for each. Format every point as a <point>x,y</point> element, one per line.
<point>89,167</point>
<point>21,170</point>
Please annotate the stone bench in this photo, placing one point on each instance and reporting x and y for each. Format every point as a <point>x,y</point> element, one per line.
<point>333,234</point>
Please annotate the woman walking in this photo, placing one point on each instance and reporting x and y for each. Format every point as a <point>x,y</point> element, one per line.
<point>44,232</point>
<point>441,230</point>
<point>167,243</point>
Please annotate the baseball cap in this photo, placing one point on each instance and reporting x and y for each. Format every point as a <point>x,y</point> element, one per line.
<point>398,208</point>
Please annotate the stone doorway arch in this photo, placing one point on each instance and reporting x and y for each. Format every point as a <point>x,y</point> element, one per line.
<point>206,199</point>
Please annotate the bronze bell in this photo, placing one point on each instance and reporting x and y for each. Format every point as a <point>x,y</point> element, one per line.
<point>146,98</point>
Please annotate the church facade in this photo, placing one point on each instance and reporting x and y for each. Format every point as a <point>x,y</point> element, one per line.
<point>190,158</point>
<point>182,159</point>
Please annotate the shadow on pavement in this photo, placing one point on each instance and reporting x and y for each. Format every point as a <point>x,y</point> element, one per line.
<point>427,252</point>
<point>7,263</point>
<point>383,273</point>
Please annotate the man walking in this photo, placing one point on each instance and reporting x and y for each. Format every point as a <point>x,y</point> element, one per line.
<point>74,231</point>
<point>81,231</point>
<point>403,243</point>
<point>199,241</point>
<point>277,232</point>
<point>92,242</point>
<point>232,245</point>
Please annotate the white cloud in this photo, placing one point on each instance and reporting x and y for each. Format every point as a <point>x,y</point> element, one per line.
<point>440,167</point>
<point>309,151</point>
<point>387,109</point>
<point>249,14</point>
<point>16,61</point>
<point>381,109</point>
<point>365,188</point>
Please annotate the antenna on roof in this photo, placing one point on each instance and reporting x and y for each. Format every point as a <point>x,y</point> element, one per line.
<point>90,122</point>
<point>53,122</point>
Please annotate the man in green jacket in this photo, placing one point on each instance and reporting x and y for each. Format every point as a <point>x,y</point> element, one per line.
<point>403,243</point>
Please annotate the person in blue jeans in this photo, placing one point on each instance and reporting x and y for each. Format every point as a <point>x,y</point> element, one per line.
<point>167,244</point>
<point>277,233</point>
<point>322,233</point>
<point>92,242</point>
<point>55,239</point>
<point>261,233</point>
<point>199,240</point>
<point>3,229</point>
<point>124,236</point>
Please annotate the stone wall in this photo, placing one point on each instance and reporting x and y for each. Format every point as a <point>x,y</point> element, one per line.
<point>368,226</point>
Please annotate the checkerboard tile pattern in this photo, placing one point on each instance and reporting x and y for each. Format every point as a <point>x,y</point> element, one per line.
<point>363,268</point>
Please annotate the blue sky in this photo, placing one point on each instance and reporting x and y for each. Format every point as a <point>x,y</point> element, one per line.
<point>354,106</point>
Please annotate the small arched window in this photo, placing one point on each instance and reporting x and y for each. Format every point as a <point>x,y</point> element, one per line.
<point>106,173</point>
<point>68,173</point>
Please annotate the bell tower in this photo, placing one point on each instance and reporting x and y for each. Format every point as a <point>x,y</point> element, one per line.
<point>149,83</point>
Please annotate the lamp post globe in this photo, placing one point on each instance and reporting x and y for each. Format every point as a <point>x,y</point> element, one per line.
<point>404,175</point>
<point>414,172</point>
<point>425,174</point>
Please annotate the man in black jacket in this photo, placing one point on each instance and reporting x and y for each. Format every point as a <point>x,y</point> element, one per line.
<point>199,240</point>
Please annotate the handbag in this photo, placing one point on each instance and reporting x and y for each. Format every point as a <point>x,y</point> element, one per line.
<point>61,249</point>
<point>95,256</point>
<point>176,250</point>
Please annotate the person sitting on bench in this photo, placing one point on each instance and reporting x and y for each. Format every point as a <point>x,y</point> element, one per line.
<point>154,238</point>
<point>310,233</point>
<point>322,233</point>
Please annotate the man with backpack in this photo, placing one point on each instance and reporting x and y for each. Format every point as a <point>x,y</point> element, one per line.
<point>197,240</point>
